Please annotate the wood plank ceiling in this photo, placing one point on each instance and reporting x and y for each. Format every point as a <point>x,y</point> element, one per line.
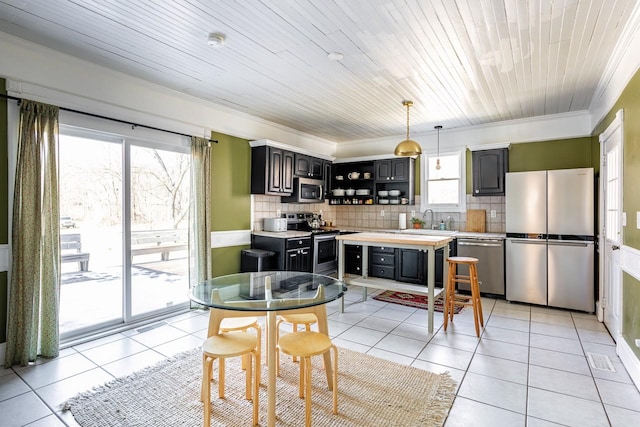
<point>462,62</point>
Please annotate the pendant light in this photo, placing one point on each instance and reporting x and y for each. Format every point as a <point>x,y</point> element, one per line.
<point>408,147</point>
<point>438,160</point>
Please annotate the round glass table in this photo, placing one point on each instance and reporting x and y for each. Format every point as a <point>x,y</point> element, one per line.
<point>266,293</point>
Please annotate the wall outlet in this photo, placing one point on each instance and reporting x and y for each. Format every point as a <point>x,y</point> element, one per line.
<point>382,212</point>
<point>413,214</point>
<point>278,212</point>
<point>638,342</point>
<point>638,220</point>
<point>624,219</point>
<point>493,213</point>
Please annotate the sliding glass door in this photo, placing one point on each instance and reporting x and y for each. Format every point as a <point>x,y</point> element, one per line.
<point>159,219</point>
<point>124,217</point>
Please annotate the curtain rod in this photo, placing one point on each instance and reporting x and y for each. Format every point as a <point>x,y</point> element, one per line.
<point>133,125</point>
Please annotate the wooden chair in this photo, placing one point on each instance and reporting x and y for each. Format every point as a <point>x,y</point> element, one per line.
<point>305,344</point>
<point>222,346</point>
<point>450,291</point>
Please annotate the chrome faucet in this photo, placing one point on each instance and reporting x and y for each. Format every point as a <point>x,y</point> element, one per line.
<point>431,220</point>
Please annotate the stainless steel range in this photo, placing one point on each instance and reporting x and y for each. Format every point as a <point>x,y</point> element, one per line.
<point>323,242</point>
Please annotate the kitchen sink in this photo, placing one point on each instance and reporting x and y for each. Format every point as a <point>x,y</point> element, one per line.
<point>428,232</point>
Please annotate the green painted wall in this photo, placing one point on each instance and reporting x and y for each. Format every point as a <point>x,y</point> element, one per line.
<point>4,209</point>
<point>547,155</point>
<point>231,194</point>
<point>629,101</point>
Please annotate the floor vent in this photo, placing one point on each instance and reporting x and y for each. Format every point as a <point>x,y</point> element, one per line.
<point>600,361</point>
<point>150,327</point>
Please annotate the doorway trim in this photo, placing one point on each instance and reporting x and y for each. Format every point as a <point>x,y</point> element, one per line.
<point>615,126</point>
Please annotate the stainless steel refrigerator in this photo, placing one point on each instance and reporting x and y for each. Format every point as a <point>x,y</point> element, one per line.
<point>549,250</point>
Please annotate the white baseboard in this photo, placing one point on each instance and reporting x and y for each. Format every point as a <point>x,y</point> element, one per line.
<point>629,360</point>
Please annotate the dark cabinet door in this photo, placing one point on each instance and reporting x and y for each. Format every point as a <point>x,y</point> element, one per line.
<point>400,169</point>
<point>383,170</point>
<point>393,170</point>
<point>308,167</point>
<point>280,171</point>
<point>489,168</point>
<point>411,266</point>
<point>276,163</point>
<point>299,260</point>
<point>287,172</point>
<point>326,165</point>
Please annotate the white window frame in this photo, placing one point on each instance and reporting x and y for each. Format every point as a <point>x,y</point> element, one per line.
<point>461,206</point>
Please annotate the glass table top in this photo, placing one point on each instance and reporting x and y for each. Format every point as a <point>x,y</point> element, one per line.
<point>267,291</point>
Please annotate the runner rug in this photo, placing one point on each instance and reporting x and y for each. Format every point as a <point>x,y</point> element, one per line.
<point>372,392</point>
<point>418,301</point>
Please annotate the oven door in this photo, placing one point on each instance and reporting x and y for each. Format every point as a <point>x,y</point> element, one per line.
<point>325,253</point>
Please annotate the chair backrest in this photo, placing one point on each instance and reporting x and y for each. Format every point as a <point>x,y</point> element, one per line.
<point>71,241</point>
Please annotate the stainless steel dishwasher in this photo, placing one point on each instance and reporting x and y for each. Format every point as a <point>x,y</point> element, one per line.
<point>490,253</point>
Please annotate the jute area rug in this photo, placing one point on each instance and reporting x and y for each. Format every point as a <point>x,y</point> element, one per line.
<point>372,392</point>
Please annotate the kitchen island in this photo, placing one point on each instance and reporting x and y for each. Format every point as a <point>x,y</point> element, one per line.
<point>425,243</point>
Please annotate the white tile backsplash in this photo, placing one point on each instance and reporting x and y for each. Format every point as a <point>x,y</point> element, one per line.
<point>369,215</point>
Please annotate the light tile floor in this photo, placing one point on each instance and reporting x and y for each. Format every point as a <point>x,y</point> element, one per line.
<point>528,369</point>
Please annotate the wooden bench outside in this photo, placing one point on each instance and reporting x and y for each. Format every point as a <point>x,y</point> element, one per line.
<point>158,241</point>
<point>73,242</point>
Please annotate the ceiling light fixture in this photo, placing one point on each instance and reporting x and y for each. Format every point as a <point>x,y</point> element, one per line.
<point>408,147</point>
<point>216,40</point>
<point>335,56</point>
<point>438,160</point>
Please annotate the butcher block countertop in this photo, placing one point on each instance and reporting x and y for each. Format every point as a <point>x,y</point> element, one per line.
<point>396,239</point>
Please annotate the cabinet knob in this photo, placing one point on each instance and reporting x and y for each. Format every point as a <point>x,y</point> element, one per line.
<point>381,259</point>
<point>393,177</point>
<point>477,191</point>
<point>357,256</point>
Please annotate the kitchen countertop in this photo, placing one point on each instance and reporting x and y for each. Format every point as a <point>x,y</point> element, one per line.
<point>289,234</point>
<point>409,231</point>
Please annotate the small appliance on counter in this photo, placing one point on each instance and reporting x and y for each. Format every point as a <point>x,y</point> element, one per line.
<point>274,224</point>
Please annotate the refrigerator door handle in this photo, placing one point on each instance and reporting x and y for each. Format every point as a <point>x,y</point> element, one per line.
<point>529,242</point>
<point>565,243</point>
<point>491,245</point>
<point>615,247</point>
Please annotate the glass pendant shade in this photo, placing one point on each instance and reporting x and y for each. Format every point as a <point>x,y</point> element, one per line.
<point>408,147</point>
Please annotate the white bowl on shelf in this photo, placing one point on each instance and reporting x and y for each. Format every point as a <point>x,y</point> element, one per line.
<point>350,192</point>
<point>338,192</point>
<point>383,193</point>
<point>383,201</point>
<point>362,192</point>
<point>394,193</point>
<point>394,202</point>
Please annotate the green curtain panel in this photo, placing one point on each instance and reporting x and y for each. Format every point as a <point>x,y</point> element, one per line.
<point>200,210</point>
<point>32,328</point>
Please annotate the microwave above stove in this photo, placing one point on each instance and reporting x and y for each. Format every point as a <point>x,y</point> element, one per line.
<point>306,190</point>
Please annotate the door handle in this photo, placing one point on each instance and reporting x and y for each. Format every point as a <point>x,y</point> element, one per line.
<point>615,247</point>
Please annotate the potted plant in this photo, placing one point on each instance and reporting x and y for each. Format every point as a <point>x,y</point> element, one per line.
<point>417,222</point>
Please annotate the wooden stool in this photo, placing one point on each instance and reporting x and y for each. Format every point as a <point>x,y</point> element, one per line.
<point>306,344</point>
<point>222,346</point>
<point>232,324</point>
<point>306,319</point>
<point>450,291</point>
